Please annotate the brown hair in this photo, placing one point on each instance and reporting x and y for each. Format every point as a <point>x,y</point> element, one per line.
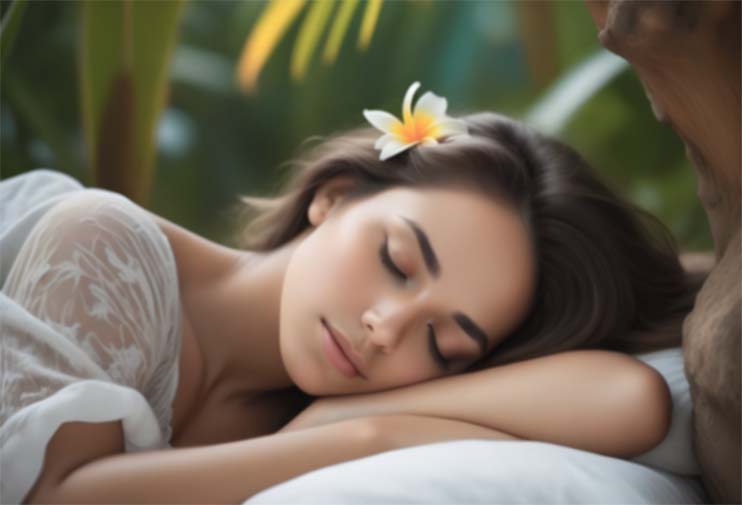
<point>608,273</point>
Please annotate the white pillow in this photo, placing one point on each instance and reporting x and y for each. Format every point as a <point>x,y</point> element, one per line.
<point>675,453</point>
<point>484,471</point>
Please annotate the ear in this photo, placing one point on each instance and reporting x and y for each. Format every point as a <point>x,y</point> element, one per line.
<point>327,198</point>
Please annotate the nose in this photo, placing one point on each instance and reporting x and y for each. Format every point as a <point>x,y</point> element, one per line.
<point>387,323</point>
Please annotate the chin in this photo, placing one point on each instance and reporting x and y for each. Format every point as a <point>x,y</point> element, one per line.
<point>307,387</point>
<point>307,370</point>
<point>313,384</point>
<point>305,378</point>
<point>317,387</point>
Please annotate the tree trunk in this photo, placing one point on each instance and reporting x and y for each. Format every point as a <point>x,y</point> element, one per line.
<point>687,55</point>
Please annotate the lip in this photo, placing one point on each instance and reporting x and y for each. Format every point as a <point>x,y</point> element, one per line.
<point>335,342</point>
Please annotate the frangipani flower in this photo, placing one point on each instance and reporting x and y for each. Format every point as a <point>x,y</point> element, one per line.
<point>425,125</point>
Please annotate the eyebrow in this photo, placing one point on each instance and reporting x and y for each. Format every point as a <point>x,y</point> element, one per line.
<point>431,262</point>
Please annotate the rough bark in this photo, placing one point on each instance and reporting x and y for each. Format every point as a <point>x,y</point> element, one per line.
<point>687,55</point>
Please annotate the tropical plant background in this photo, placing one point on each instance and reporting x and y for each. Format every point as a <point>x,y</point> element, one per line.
<point>192,138</point>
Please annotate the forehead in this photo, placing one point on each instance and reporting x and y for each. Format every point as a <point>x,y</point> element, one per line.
<point>482,246</point>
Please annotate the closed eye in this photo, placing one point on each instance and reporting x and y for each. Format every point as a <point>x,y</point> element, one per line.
<point>444,363</point>
<point>386,259</point>
<point>435,351</point>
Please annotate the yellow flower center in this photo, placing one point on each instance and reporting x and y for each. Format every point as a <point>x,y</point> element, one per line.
<point>420,127</point>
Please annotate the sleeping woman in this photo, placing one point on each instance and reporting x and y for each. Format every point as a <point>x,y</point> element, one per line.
<point>442,279</point>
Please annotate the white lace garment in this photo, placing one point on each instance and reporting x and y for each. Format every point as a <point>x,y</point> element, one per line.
<point>89,320</point>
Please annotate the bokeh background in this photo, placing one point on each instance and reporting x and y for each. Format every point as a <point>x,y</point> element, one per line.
<point>213,140</point>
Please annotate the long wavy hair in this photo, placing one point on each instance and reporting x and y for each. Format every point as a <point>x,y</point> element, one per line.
<point>608,272</point>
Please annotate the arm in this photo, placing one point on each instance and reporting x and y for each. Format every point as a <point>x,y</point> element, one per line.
<point>599,401</point>
<point>223,473</point>
<point>84,463</point>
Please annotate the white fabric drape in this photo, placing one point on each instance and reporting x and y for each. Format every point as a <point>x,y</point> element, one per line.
<point>89,320</point>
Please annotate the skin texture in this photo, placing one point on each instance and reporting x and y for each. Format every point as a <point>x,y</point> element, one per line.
<point>258,317</point>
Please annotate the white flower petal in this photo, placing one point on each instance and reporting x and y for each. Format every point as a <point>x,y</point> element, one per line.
<point>407,102</point>
<point>381,141</point>
<point>432,104</point>
<point>381,120</point>
<point>452,127</point>
<point>429,141</point>
<point>394,147</point>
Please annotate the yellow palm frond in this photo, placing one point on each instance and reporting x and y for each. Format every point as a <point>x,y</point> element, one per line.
<point>370,17</point>
<point>337,32</point>
<point>306,41</point>
<point>277,18</point>
<point>274,21</point>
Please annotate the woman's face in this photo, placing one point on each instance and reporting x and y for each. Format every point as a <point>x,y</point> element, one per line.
<point>468,279</point>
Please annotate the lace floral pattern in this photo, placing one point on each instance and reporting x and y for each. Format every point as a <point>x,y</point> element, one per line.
<point>97,271</point>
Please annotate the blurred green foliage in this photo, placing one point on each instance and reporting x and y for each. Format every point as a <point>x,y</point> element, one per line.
<point>124,78</point>
<point>215,142</point>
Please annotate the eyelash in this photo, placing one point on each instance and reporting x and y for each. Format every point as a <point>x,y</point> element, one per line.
<point>386,259</point>
<point>443,362</point>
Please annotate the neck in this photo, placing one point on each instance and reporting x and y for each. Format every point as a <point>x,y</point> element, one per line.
<point>234,316</point>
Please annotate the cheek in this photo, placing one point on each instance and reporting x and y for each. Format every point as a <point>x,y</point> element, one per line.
<point>328,275</point>
<point>347,270</point>
<point>304,285</point>
<point>328,271</point>
<point>354,278</point>
<point>414,370</point>
<point>402,370</point>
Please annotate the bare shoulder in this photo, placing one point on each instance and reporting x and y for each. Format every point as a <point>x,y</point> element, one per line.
<point>610,362</point>
<point>73,445</point>
<point>638,379</point>
<point>638,389</point>
<point>197,258</point>
<point>623,373</point>
<point>601,361</point>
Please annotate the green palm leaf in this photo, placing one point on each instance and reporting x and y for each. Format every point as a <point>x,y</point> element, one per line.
<point>579,84</point>
<point>9,29</point>
<point>125,50</point>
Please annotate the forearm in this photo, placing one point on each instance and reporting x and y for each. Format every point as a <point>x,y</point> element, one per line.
<point>223,473</point>
<point>407,430</point>
<point>591,400</point>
